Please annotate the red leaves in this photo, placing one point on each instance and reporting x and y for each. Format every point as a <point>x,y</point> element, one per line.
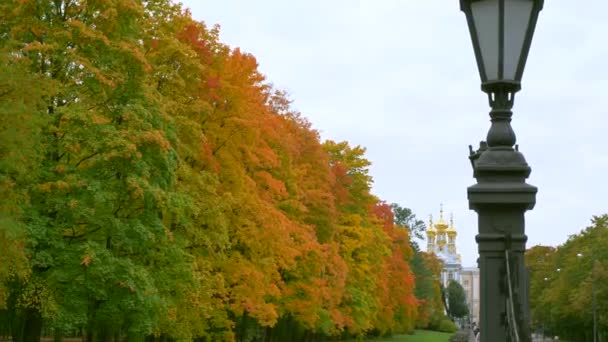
<point>342,181</point>
<point>213,82</point>
<point>191,33</point>
<point>273,185</point>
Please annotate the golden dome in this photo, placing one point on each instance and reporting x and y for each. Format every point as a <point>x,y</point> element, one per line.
<point>441,225</point>
<point>451,230</point>
<point>430,229</point>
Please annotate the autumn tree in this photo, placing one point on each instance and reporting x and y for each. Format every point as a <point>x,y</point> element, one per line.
<point>397,312</point>
<point>154,184</point>
<point>99,251</point>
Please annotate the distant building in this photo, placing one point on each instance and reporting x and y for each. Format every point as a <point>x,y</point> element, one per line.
<point>441,240</point>
<point>469,279</point>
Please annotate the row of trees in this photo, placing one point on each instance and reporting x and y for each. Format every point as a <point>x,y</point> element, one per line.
<point>152,183</point>
<point>563,282</point>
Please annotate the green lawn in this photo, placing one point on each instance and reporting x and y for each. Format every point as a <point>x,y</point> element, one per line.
<point>418,336</point>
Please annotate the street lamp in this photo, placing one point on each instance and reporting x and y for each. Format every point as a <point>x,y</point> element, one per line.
<point>550,314</point>
<point>501,32</point>
<point>594,302</point>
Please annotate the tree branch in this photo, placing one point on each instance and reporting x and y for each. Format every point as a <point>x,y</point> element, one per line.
<point>87,158</point>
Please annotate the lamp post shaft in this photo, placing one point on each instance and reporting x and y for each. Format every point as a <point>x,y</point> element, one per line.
<point>501,197</point>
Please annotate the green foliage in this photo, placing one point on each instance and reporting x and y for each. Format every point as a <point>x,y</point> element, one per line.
<point>563,280</point>
<point>447,326</point>
<point>457,301</point>
<point>404,217</point>
<point>427,270</point>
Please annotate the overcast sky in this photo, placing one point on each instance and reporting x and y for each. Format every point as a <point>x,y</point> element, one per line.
<point>399,78</point>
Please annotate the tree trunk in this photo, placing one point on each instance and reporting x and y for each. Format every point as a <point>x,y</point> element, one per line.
<point>32,326</point>
<point>104,335</point>
<point>90,335</point>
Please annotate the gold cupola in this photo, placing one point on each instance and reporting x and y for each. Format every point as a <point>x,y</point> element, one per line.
<point>430,235</point>
<point>431,230</point>
<point>441,226</point>
<point>451,230</point>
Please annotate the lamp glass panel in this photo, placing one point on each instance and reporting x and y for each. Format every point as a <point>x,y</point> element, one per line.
<point>517,20</point>
<point>485,16</point>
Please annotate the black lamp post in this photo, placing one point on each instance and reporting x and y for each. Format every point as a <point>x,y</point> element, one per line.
<point>501,31</point>
<point>593,299</point>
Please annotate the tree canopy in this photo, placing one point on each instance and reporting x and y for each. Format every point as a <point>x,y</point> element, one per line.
<point>457,300</point>
<point>563,280</point>
<point>154,184</point>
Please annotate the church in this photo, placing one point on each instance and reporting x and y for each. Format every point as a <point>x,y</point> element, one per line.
<point>441,241</point>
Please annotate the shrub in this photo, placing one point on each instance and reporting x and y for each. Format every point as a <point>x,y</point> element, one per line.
<point>447,326</point>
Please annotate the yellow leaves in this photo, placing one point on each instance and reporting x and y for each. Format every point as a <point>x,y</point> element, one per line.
<point>36,46</point>
<point>73,203</point>
<point>101,76</point>
<point>252,290</point>
<point>37,31</point>
<point>87,32</point>
<point>14,263</point>
<point>36,295</point>
<point>130,150</point>
<point>156,137</point>
<point>351,220</point>
<point>86,260</point>
<point>172,314</point>
<point>109,14</point>
<point>60,168</point>
<point>135,188</point>
<point>69,232</point>
<point>136,53</point>
<point>99,119</point>
<point>169,235</point>
<point>6,184</point>
<point>51,186</point>
<point>61,185</point>
<point>127,285</point>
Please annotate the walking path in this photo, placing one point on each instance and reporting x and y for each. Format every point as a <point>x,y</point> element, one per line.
<point>471,336</point>
<point>535,338</point>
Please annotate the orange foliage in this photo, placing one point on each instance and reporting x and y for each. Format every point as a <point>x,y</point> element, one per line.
<point>398,307</point>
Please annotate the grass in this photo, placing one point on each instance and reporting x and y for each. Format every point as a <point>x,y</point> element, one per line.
<point>418,336</point>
